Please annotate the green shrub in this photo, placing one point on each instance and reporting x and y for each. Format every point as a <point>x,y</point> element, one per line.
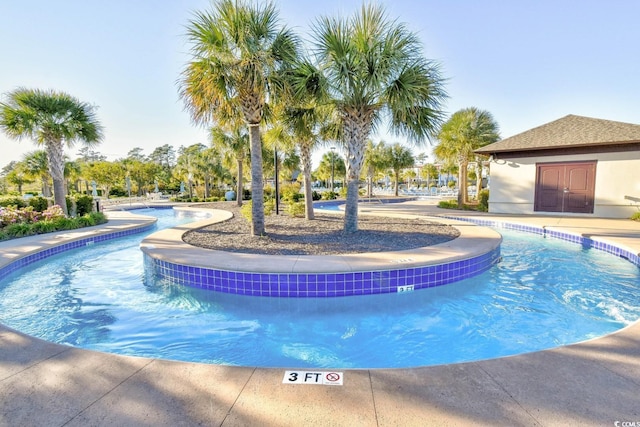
<point>268,192</point>
<point>65,223</point>
<point>329,195</point>
<point>18,202</point>
<point>483,200</point>
<point>245,210</point>
<point>19,230</point>
<point>269,207</point>
<point>118,192</point>
<point>315,195</point>
<point>4,235</point>
<point>296,209</point>
<point>84,205</point>
<point>216,193</point>
<point>448,204</point>
<point>42,227</point>
<point>98,217</point>
<point>290,193</point>
<point>636,216</point>
<point>85,221</point>
<point>453,204</point>
<point>39,203</point>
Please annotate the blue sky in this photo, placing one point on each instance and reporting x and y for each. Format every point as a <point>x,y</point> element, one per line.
<point>526,62</point>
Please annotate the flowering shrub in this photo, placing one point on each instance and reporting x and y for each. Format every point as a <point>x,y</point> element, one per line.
<point>10,215</point>
<point>53,212</point>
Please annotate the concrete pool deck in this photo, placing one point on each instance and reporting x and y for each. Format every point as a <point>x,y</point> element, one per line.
<point>591,383</point>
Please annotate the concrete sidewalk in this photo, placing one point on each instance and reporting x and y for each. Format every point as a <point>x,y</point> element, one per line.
<point>591,383</point>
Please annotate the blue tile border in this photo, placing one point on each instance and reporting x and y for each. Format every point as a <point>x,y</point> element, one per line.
<point>324,284</point>
<point>586,242</point>
<point>67,246</point>
<point>320,284</point>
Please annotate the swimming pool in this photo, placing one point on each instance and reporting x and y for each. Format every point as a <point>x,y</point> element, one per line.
<point>545,293</point>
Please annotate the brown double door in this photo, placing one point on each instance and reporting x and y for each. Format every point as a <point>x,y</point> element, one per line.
<point>565,187</point>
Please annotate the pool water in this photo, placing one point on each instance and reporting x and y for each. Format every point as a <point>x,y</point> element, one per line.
<point>545,293</point>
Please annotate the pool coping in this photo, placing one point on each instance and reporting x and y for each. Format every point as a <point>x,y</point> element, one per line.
<point>34,248</point>
<point>594,382</point>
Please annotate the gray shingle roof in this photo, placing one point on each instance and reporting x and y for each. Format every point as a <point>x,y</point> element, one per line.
<point>569,131</point>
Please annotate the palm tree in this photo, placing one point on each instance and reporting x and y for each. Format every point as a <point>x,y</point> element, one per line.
<point>398,157</point>
<point>466,131</point>
<point>233,145</point>
<point>240,56</point>
<point>303,124</point>
<point>37,166</point>
<point>371,68</point>
<point>17,175</point>
<point>51,119</point>
<point>72,173</point>
<point>209,166</point>
<point>374,163</point>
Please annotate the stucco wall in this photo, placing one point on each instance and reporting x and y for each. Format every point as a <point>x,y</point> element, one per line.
<point>512,186</point>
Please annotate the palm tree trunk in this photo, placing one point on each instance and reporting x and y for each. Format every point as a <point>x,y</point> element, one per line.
<point>239,183</point>
<point>478,178</point>
<point>305,160</point>
<point>357,127</point>
<point>397,176</point>
<point>462,183</point>
<point>257,190</point>
<point>55,153</point>
<point>355,156</point>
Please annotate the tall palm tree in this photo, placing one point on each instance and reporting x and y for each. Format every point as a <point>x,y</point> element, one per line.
<point>233,144</point>
<point>466,131</point>
<point>240,56</point>
<point>301,126</point>
<point>371,68</point>
<point>52,119</point>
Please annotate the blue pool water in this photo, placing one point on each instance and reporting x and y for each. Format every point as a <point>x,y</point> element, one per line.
<point>545,293</point>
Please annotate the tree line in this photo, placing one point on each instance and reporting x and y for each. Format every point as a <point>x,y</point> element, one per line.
<point>255,84</point>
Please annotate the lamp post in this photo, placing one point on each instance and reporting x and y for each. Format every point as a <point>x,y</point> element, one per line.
<point>333,155</point>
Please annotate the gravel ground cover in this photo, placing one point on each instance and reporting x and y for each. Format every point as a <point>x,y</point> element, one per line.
<point>287,235</point>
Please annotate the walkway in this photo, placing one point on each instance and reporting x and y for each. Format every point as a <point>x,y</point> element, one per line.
<point>591,383</point>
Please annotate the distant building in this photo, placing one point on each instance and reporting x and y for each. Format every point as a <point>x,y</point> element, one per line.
<point>572,166</point>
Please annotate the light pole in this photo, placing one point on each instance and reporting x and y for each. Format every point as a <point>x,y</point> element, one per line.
<point>333,155</point>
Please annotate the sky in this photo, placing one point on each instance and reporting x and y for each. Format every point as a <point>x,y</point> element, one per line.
<point>527,62</point>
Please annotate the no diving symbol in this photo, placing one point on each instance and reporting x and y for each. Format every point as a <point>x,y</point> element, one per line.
<point>313,377</point>
<point>332,377</point>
